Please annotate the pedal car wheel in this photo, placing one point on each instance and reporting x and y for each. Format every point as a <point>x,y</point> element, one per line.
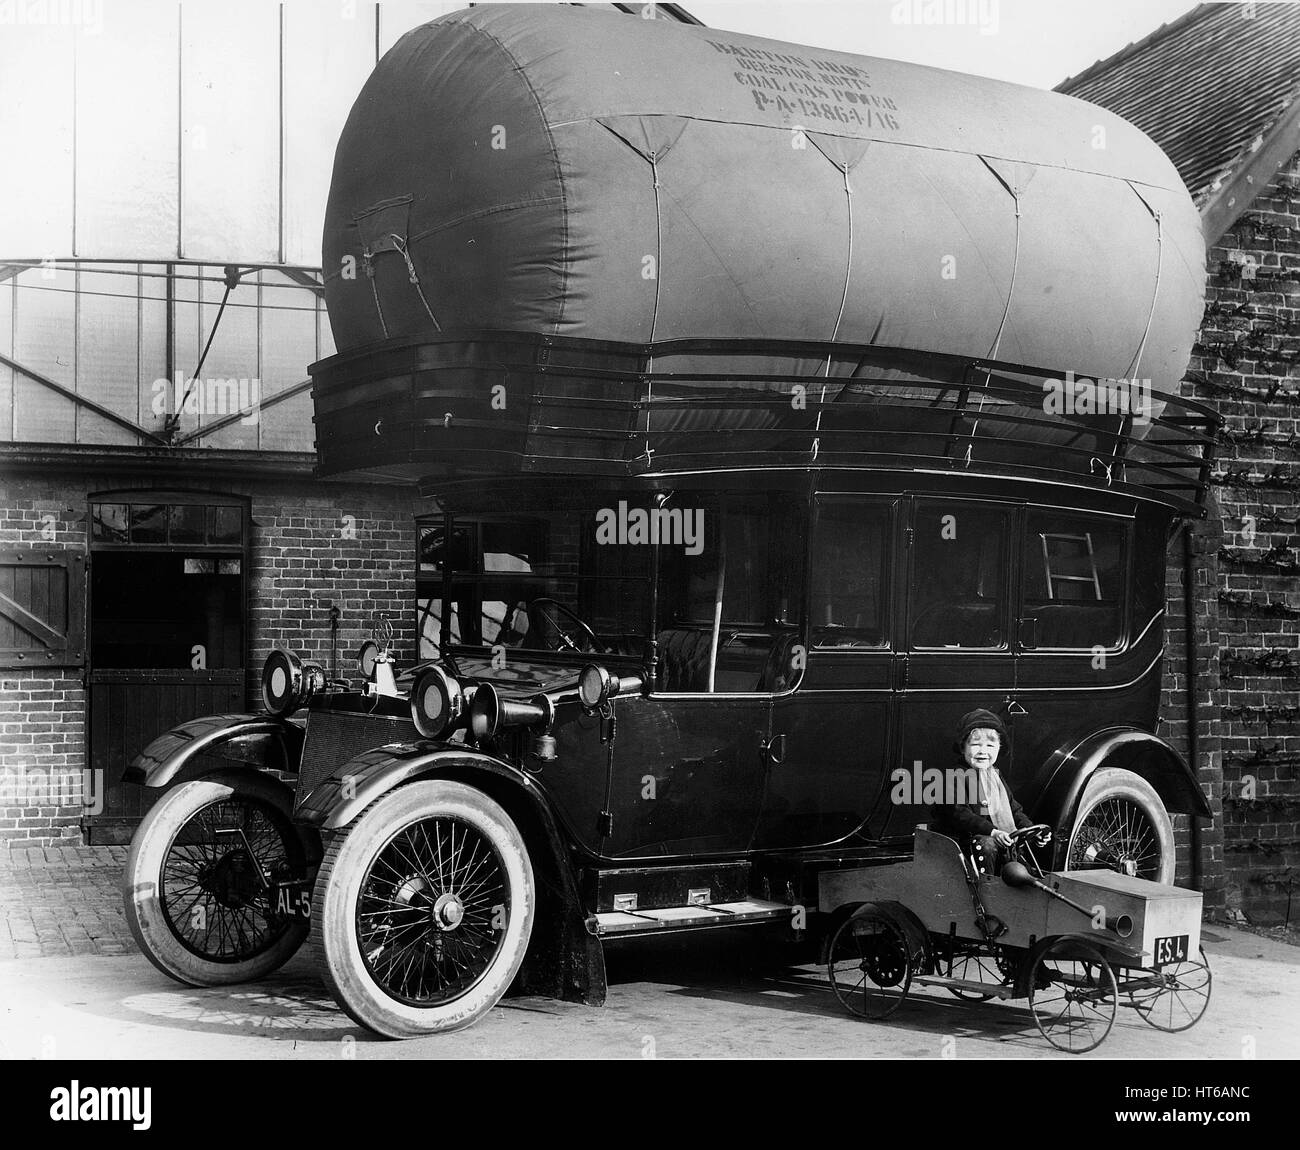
<point>424,908</point>
<point>1072,994</point>
<point>1180,1002</point>
<point>977,967</point>
<point>195,883</point>
<point>1122,825</point>
<point>870,963</point>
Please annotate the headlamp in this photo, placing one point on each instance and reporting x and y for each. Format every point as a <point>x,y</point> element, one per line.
<point>437,702</point>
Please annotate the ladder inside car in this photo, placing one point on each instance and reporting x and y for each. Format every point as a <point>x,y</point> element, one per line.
<point>1053,578</point>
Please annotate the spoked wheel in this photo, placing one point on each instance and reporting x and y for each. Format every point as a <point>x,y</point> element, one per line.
<point>1181,997</point>
<point>425,908</point>
<point>1073,995</point>
<point>869,964</point>
<point>1122,825</point>
<point>196,883</point>
<point>978,967</point>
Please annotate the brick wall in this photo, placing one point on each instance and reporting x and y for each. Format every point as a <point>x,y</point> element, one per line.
<point>42,709</point>
<point>1249,348</point>
<point>354,549</point>
<point>311,544</point>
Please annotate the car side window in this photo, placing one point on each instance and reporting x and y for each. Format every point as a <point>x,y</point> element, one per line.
<point>730,605</point>
<point>959,576</point>
<point>849,574</point>
<point>1073,582</point>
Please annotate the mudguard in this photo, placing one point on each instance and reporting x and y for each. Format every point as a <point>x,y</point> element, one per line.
<point>1031,956</point>
<point>1066,774</point>
<point>260,741</point>
<point>564,960</point>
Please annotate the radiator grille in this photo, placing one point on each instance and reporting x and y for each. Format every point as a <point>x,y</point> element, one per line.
<point>334,737</point>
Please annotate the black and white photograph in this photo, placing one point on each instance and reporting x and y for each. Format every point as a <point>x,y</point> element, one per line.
<point>621,531</point>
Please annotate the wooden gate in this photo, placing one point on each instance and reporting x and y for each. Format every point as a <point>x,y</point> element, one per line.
<point>128,708</point>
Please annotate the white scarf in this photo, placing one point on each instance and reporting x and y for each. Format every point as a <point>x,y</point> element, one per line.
<point>996,799</point>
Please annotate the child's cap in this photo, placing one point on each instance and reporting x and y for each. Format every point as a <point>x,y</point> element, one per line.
<point>978,719</point>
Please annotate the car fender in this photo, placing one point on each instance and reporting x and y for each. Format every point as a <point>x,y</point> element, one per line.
<point>1066,774</point>
<point>261,742</point>
<point>564,959</point>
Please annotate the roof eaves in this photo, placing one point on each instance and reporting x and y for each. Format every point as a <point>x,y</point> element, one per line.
<point>1132,49</point>
<point>1251,172</point>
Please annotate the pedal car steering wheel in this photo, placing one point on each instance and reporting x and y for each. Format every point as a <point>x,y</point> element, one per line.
<point>539,608</point>
<point>1040,834</point>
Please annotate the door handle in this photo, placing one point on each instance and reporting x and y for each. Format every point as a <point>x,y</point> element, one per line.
<point>1014,708</point>
<point>774,749</point>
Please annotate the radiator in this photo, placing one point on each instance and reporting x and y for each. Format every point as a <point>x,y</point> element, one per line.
<point>336,737</point>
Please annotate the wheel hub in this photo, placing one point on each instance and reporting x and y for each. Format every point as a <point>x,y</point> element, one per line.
<point>232,880</point>
<point>884,963</point>
<point>448,911</point>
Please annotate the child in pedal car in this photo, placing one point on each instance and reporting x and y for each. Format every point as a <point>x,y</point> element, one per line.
<point>983,827</point>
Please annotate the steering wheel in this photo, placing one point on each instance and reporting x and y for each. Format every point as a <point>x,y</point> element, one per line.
<point>538,610</point>
<point>1040,834</point>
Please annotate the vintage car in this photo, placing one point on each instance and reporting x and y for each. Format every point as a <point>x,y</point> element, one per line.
<point>765,426</point>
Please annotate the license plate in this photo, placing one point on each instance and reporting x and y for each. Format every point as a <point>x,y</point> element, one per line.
<point>1171,948</point>
<point>291,899</point>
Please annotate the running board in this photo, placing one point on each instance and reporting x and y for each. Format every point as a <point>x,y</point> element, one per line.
<point>993,990</point>
<point>722,914</point>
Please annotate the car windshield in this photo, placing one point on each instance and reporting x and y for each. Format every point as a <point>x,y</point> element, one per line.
<point>540,579</point>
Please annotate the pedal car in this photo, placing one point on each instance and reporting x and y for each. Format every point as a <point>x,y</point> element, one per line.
<point>1076,944</point>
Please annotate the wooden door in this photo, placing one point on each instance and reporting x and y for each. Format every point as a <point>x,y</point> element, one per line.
<point>167,607</point>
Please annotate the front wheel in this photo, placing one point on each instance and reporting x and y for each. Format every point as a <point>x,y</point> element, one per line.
<point>1072,994</point>
<point>423,908</point>
<point>196,882</point>
<point>1122,825</point>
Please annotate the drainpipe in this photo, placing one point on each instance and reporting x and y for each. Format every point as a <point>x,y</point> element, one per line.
<point>1193,742</point>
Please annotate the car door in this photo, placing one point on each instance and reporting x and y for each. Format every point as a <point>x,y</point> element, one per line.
<point>958,653</point>
<point>830,750</point>
<point>690,761</point>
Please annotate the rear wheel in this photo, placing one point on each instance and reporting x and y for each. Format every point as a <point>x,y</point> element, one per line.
<point>196,882</point>
<point>1122,825</point>
<point>424,909</point>
<point>1177,996</point>
<point>870,963</point>
<point>975,966</point>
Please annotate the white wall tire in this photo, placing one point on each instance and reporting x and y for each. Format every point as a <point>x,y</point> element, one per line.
<point>423,910</point>
<point>1122,812</point>
<point>195,921</point>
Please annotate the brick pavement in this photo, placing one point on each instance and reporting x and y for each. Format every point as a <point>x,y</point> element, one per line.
<point>62,901</point>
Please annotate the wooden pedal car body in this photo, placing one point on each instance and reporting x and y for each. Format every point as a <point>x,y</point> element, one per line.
<point>1125,937</point>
